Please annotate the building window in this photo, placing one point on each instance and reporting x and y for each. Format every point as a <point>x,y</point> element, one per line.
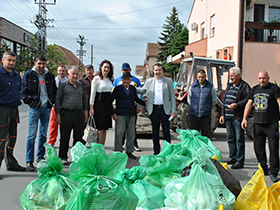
<point>212,22</point>
<point>218,55</point>
<point>202,30</point>
<point>225,55</point>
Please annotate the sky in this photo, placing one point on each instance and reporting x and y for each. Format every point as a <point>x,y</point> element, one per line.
<point>118,30</point>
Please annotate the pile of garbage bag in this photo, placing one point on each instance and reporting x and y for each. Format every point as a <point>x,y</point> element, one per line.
<point>182,176</point>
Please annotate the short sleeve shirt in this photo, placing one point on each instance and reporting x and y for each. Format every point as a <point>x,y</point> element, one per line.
<point>266,109</point>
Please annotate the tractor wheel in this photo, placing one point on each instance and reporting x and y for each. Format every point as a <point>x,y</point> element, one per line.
<point>215,115</point>
<point>183,116</point>
<point>250,128</point>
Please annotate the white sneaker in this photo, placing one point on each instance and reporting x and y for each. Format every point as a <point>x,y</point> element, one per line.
<point>137,149</point>
<point>64,162</point>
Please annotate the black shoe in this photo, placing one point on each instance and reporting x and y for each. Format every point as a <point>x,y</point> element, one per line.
<point>237,165</point>
<point>17,168</point>
<point>39,159</point>
<point>274,178</point>
<point>231,161</point>
<point>131,156</point>
<point>30,166</point>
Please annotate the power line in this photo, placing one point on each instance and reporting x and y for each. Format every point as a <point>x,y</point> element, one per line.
<point>18,9</point>
<point>124,13</point>
<point>135,28</point>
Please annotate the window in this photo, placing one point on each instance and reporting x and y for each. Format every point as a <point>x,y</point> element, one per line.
<point>202,30</point>
<point>212,22</point>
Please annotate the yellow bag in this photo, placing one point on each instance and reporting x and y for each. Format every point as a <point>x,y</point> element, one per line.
<point>257,196</point>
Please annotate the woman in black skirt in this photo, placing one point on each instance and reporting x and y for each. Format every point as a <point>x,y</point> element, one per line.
<point>100,99</point>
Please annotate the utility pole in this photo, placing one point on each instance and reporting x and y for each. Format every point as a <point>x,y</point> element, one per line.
<point>81,52</point>
<point>41,23</point>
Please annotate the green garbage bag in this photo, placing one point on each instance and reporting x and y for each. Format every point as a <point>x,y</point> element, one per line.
<point>173,157</point>
<point>53,188</point>
<point>94,170</point>
<point>150,197</point>
<point>166,166</point>
<point>192,140</point>
<point>202,189</point>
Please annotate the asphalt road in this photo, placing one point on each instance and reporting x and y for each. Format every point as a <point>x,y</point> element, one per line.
<point>12,183</point>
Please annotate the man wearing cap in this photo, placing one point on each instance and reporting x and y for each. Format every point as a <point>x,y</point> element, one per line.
<point>136,83</point>
<point>125,113</point>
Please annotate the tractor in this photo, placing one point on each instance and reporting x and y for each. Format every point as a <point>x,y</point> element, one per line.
<point>217,72</point>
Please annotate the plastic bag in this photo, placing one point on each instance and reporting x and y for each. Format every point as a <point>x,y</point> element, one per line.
<point>228,179</point>
<point>53,188</point>
<point>256,194</point>
<point>192,140</point>
<point>202,189</point>
<point>150,197</point>
<point>94,170</point>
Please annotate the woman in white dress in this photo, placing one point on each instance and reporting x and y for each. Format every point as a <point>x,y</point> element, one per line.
<point>100,99</point>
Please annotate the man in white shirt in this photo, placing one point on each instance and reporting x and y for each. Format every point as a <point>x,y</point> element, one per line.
<point>161,104</point>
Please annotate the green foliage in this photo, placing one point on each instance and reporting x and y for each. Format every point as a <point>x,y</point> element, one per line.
<point>26,56</point>
<point>4,48</point>
<point>54,58</point>
<point>180,41</point>
<point>173,40</point>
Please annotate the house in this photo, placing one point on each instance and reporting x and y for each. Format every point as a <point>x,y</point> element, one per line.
<point>246,31</point>
<point>152,51</point>
<point>70,58</point>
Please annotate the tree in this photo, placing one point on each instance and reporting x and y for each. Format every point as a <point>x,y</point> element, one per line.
<point>54,58</point>
<point>174,39</point>
<point>172,25</point>
<point>27,55</point>
<point>180,41</point>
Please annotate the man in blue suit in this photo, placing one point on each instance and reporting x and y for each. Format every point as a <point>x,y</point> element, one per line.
<point>161,104</point>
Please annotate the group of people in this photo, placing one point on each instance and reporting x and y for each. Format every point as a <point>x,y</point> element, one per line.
<point>239,100</point>
<point>65,102</point>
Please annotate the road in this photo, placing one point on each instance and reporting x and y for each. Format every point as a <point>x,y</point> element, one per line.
<point>12,183</point>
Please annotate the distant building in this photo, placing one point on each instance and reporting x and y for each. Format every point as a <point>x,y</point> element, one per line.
<point>13,36</point>
<point>70,58</point>
<point>247,32</point>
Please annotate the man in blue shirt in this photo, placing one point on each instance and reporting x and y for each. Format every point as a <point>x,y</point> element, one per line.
<point>10,85</point>
<point>136,83</point>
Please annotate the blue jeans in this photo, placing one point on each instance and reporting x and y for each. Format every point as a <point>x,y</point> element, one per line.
<point>41,115</point>
<point>236,140</point>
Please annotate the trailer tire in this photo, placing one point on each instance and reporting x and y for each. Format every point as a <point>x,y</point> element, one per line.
<point>183,116</point>
<point>250,128</point>
<point>215,115</point>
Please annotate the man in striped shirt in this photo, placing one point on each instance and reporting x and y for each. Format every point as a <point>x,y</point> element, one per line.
<point>235,99</point>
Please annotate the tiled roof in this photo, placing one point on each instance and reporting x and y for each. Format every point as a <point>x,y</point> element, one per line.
<point>153,49</point>
<point>69,56</point>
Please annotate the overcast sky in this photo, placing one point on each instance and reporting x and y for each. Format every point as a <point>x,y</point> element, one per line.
<point>118,30</point>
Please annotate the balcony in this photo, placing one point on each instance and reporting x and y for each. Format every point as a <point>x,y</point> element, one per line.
<point>262,32</point>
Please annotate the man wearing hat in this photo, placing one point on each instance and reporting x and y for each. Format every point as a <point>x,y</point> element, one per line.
<point>136,83</point>
<point>125,113</point>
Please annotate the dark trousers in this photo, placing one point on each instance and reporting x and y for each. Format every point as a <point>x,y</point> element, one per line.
<point>201,124</point>
<point>70,120</point>
<point>8,136</point>
<point>158,116</point>
<point>261,131</point>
